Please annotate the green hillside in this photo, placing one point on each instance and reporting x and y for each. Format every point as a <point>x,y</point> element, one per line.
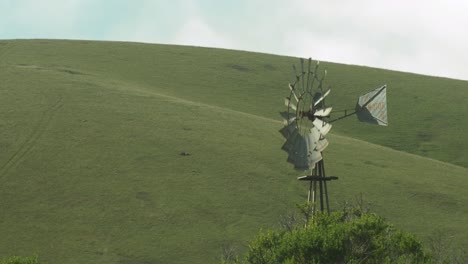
<point>91,135</point>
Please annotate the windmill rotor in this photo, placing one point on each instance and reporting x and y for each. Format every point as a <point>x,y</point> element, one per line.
<point>304,118</point>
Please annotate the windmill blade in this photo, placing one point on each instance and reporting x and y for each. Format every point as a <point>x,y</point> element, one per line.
<point>291,141</point>
<point>372,107</point>
<point>287,146</point>
<point>298,154</point>
<point>288,103</point>
<point>295,72</point>
<point>287,115</point>
<point>308,87</point>
<point>320,142</point>
<point>288,118</point>
<point>288,130</point>
<point>316,96</point>
<point>322,126</point>
<point>289,121</point>
<point>320,84</point>
<point>302,151</point>
<point>315,133</point>
<point>302,69</point>
<point>311,142</point>
<point>327,92</point>
<point>314,157</point>
<point>302,83</point>
<point>314,75</point>
<point>292,91</point>
<point>323,112</point>
<point>301,166</point>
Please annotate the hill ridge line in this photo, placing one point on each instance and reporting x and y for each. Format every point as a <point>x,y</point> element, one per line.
<point>186,101</point>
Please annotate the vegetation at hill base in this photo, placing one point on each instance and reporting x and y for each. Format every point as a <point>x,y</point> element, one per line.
<point>352,235</point>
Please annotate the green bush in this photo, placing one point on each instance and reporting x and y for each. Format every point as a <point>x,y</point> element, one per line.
<point>350,236</point>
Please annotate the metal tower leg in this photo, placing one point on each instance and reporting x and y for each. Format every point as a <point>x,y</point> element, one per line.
<point>325,188</point>
<point>320,165</point>
<point>318,177</point>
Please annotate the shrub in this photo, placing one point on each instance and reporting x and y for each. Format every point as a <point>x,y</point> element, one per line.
<point>350,236</point>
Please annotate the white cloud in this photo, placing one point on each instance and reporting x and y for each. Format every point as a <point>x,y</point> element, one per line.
<point>418,36</point>
<point>179,22</point>
<point>150,23</point>
<point>425,37</point>
<point>195,32</point>
<point>36,19</point>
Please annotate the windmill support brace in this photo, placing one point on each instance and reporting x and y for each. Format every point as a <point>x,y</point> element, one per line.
<point>319,178</point>
<point>346,114</point>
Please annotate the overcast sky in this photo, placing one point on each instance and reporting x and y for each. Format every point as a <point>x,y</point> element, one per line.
<point>428,37</point>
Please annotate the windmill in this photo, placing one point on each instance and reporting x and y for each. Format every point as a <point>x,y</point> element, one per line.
<point>307,122</point>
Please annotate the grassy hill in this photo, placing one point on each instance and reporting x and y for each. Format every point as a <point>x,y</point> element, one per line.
<point>91,135</point>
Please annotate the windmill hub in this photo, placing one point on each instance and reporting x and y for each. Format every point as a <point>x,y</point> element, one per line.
<point>309,114</point>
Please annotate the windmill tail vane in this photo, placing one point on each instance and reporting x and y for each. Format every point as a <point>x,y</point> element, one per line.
<point>371,108</point>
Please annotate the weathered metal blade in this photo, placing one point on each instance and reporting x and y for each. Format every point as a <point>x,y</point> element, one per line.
<point>313,153</point>
<point>323,112</point>
<point>302,167</point>
<point>302,84</point>
<point>322,144</point>
<point>286,146</point>
<point>288,118</point>
<point>320,141</point>
<point>298,154</point>
<point>372,107</point>
<point>289,121</point>
<point>311,142</point>
<point>315,133</point>
<point>308,86</point>
<point>302,64</point>
<point>288,130</point>
<point>314,157</point>
<point>327,92</point>
<point>291,141</point>
<point>290,104</point>
<point>293,93</point>
<point>322,126</point>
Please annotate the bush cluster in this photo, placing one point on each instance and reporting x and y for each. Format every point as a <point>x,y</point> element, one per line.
<point>348,236</point>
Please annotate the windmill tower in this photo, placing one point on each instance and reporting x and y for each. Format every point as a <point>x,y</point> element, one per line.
<point>307,121</point>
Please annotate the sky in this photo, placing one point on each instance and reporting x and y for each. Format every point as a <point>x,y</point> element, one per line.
<point>428,37</point>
